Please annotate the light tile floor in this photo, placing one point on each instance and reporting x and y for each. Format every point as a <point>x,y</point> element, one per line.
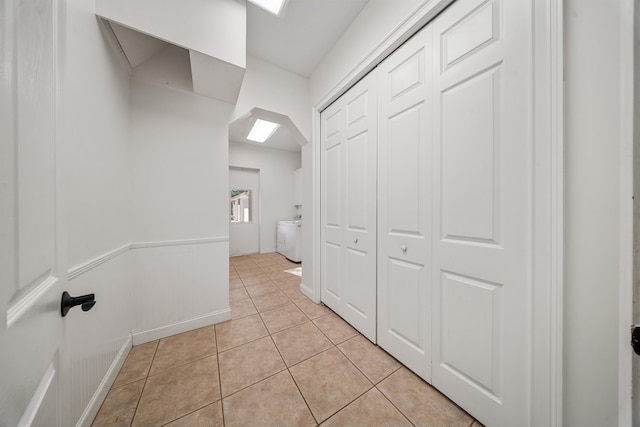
<point>280,361</point>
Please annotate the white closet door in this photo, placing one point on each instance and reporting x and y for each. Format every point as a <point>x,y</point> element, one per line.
<point>404,209</point>
<point>482,208</point>
<point>348,200</point>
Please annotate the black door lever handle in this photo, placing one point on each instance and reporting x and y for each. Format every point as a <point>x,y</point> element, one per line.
<point>86,301</point>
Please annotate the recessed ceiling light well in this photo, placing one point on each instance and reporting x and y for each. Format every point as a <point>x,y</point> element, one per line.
<point>272,6</point>
<point>262,130</point>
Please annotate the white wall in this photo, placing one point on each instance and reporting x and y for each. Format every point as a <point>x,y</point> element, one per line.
<point>95,120</point>
<point>276,185</point>
<point>214,28</point>
<point>274,89</point>
<point>179,186</point>
<point>592,100</point>
<point>372,25</point>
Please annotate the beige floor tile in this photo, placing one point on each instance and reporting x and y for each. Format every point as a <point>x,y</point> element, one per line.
<point>311,309</point>
<point>371,410</point>
<point>256,280</point>
<point>234,276</point>
<point>237,332</point>
<point>300,342</point>
<point>183,348</point>
<point>283,317</point>
<point>477,423</point>
<point>291,280</point>
<point>235,283</point>
<point>275,401</point>
<point>247,364</point>
<point>119,407</point>
<point>271,268</point>
<point>421,403</point>
<point>329,382</point>
<point>273,300</point>
<point>294,294</point>
<point>262,289</point>
<point>238,294</point>
<point>373,361</point>
<point>177,392</point>
<point>249,272</point>
<point>279,276</point>
<point>209,416</point>
<point>136,366</point>
<point>242,308</point>
<point>241,259</point>
<point>335,328</point>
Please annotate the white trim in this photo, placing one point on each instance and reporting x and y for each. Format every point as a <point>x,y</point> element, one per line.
<point>165,243</point>
<point>91,264</point>
<point>36,400</point>
<point>24,304</point>
<point>180,327</point>
<point>625,285</point>
<point>548,202</point>
<point>100,394</point>
<point>107,256</point>
<point>267,251</point>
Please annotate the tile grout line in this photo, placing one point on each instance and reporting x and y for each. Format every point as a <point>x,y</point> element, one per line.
<point>144,386</point>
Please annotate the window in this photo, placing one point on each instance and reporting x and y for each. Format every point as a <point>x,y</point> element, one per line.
<point>240,205</point>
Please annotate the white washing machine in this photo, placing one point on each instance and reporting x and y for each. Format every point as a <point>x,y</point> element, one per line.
<point>288,239</point>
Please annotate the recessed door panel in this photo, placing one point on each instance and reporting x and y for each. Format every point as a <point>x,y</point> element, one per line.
<point>471,318</point>
<point>470,159</point>
<point>333,276</point>
<point>406,314</point>
<point>359,297</point>
<point>333,186</point>
<point>403,180</point>
<point>357,177</point>
<point>475,30</point>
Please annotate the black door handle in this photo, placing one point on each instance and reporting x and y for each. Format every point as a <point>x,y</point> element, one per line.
<point>635,339</point>
<point>86,301</point>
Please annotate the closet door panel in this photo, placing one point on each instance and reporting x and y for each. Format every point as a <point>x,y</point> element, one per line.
<point>482,207</point>
<point>404,138</point>
<point>349,146</point>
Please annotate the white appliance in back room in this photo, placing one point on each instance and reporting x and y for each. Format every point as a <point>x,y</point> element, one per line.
<point>289,236</point>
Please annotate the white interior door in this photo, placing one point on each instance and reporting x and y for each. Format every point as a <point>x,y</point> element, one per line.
<point>482,213</point>
<point>404,206</point>
<point>32,270</point>
<point>348,206</point>
<point>244,236</point>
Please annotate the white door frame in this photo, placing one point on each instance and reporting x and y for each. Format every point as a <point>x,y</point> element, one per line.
<point>547,269</point>
<point>625,285</point>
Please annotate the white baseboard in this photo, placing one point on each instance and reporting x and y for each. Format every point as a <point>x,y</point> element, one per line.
<point>98,397</point>
<point>184,326</point>
<point>267,251</point>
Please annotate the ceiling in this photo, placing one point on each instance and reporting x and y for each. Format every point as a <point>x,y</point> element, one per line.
<point>296,41</point>
<point>302,37</point>
<point>282,138</point>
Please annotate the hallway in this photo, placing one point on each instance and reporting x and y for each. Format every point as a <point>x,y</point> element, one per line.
<point>281,360</point>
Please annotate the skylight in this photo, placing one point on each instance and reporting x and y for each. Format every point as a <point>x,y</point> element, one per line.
<point>262,130</point>
<point>272,6</point>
